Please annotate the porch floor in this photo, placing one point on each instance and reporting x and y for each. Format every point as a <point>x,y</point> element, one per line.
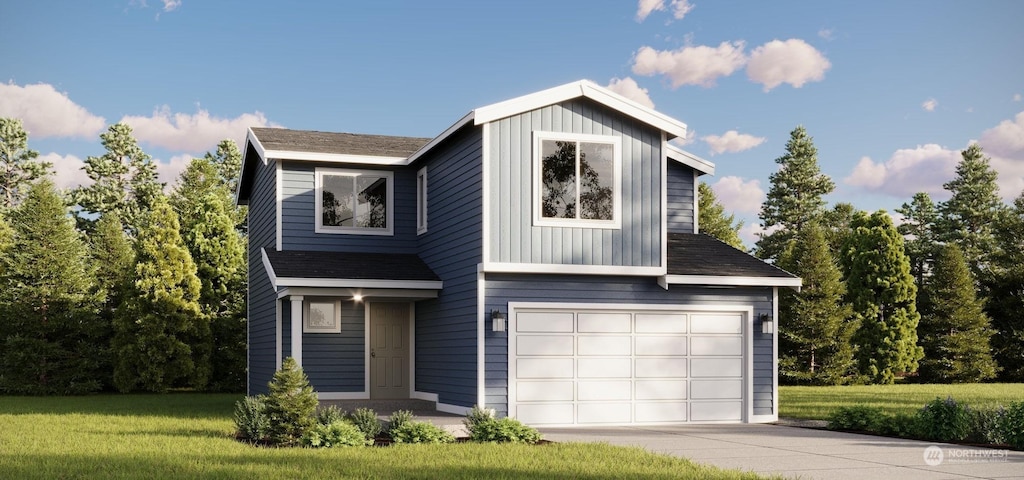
<point>422,410</point>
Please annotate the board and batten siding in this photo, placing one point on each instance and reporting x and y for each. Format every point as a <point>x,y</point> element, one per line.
<point>446,327</point>
<point>262,312</point>
<point>680,197</point>
<point>298,229</point>
<point>512,236</point>
<point>504,288</point>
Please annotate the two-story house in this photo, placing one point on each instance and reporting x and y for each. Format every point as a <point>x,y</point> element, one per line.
<point>540,257</point>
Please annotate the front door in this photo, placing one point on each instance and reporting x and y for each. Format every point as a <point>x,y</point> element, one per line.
<point>389,350</point>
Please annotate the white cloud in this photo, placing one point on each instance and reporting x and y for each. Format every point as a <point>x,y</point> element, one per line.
<point>738,195</point>
<point>170,5</point>
<point>680,8</point>
<point>627,87</point>
<point>645,7</point>
<point>732,142</point>
<point>197,132</point>
<point>691,136</point>
<point>750,231</point>
<point>908,171</point>
<point>828,34</point>
<point>46,112</point>
<point>1016,97</point>
<point>794,62</point>
<point>1004,143</point>
<point>691,65</point>
<point>67,169</point>
<point>930,104</point>
<point>168,172</point>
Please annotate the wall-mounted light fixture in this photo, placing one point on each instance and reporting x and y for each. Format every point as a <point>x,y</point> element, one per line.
<point>497,321</point>
<point>767,325</point>
<point>357,298</point>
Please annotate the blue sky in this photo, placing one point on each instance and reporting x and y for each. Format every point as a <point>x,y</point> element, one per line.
<point>890,91</point>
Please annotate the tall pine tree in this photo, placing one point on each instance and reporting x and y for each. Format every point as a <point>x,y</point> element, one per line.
<point>795,197</point>
<point>113,259</point>
<point>1006,293</point>
<point>712,219</point>
<point>19,166</point>
<point>968,217</point>
<point>882,293</point>
<point>918,230</point>
<point>955,332</point>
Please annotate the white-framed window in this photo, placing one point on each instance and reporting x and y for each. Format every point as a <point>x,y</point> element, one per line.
<point>354,201</point>
<point>421,201</point>
<point>577,180</point>
<point>321,316</point>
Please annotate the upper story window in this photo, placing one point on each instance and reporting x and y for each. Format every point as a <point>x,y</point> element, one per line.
<point>577,180</point>
<point>421,201</point>
<point>354,201</point>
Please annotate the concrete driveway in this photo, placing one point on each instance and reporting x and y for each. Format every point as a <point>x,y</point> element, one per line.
<point>806,453</point>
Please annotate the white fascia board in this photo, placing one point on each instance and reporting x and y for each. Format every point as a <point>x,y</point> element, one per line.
<point>794,283</point>
<point>359,283</point>
<point>440,138</point>
<point>255,141</point>
<point>690,160</point>
<point>525,103</point>
<point>496,267</point>
<point>602,95</point>
<point>336,158</point>
<point>269,268</point>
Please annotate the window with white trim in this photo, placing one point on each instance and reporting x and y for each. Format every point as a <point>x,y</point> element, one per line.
<point>421,201</point>
<point>577,179</point>
<point>354,201</point>
<point>322,316</point>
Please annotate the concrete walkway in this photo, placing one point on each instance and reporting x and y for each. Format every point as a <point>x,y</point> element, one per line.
<point>805,453</point>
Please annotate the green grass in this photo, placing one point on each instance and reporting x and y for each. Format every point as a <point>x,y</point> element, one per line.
<point>819,402</point>
<point>190,435</point>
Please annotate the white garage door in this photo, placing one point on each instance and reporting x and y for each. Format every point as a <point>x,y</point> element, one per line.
<point>580,366</point>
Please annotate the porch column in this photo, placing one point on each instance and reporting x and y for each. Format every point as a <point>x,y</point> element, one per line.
<point>296,328</point>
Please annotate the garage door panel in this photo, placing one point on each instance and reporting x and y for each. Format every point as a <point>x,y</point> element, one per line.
<point>544,345</point>
<point>604,412</point>
<point>716,389</point>
<point>712,323</point>
<point>661,345</point>
<point>544,391</point>
<point>660,412</point>
<point>660,323</point>
<point>603,345</point>
<point>660,367</point>
<point>604,323</point>
<point>716,411</point>
<point>544,368</point>
<point>590,390</point>
<point>604,368</point>
<point>544,322</point>
<point>716,367</point>
<point>716,345</point>
<point>661,389</point>
<point>545,413</point>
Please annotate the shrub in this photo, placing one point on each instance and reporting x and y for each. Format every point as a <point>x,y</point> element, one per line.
<point>291,404</point>
<point>251,420</point>
<point>329,415</point>
<point>899,425</point>
<point>366,421</point>
<point>340,433</point>
<point>504,430</point>
<point>1013,425</point>
<point>420,432</point>
<point>944,420</point>
<point>399,418</point>
<point>477,416</point>
<point>986,426</point>
<point>857,417</point>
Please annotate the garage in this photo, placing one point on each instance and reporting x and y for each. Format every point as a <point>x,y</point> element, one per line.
<point>629,365</point>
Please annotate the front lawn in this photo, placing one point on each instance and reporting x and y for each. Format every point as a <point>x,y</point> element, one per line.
<point>819,402</point>
<point>190,435</point>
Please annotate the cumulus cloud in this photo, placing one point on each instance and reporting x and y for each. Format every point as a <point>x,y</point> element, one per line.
<point>45,112</point>
<point>170,5</point>
<point>793,61</point>
<point>691,65</point>
<point>196,132</point>
<point>1016,97</point>
<point>732,142</point>
<point>67,170</point>
<point>691,136</point>
<point>645,7</point>
<point>169,171</point>
<point>627,87</point>
<point>680,8</point>
<point>739,195</point>
<point>1004,143</point>
<point>750,232</point>
<point>828,34</point>
<point>908,171</point>
<point>930,104</point>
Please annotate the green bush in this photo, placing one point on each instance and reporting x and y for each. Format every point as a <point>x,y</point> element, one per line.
<point>251,420</point>
<point>858,417</point>
<point>366,421</point>
<point>399,418</point>
<point>329,414</point>
<point>1013,425</point>
<point>987,426</point>
<point>504,430</point>
<point>291,404</point>
<point>420,432</point>
<point>944,420</point>
<point>899,425</point>
<point>477,416</point>
<point>340,433</point>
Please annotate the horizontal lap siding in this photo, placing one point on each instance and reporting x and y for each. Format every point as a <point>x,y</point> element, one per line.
<point>262,313</point>
<point>514,238</point>
<point>680,197</point>
<point>298,202</point>
<point>336,362</point>
<point>504,288</point>
<point>446,327</point>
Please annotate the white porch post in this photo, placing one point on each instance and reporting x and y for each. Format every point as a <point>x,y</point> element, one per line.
<point>296,328</point>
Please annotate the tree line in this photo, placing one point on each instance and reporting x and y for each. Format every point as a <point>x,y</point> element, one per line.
<point>937,298</point>
<point>120,284</point>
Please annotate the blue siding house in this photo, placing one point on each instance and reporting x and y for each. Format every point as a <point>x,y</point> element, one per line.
<point>540,257</point>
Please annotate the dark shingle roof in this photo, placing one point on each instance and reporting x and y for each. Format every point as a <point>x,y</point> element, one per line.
<point>338,143</point>
<point>699,254</point>
<point>349,265</point>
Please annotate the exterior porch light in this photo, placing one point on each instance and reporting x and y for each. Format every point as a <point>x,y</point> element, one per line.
<point>767,325</point>
<point>357,298</point>
<point>498,321</point>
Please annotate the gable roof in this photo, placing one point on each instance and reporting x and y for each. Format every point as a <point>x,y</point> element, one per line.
<point>297,268</point>
<point>690,160</point>
<point>699,259</point>
<point>280,140</point>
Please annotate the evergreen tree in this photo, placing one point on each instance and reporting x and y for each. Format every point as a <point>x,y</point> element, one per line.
<point>795,197</point>
<point>712,220</point>
<point>882,293</point>
<point>1006,293</point>
<point>955,332</point>
<point>47,302</point>
<point>124,181</point>
<point>161,338</point>
<point>968,217</point>
<point>918,230</point>
<point>291,403</point>
<point>228,163</point>
<point>18,165</point>
<point>113,258</point>
<point>836,225</point>
<point>815,346</point>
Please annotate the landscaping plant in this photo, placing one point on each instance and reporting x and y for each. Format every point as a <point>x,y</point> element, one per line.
<point>1013,425</point>
<point>944,420</point>
<point>365,419</point>
<point>506,429</point>
<point>329,415</point>
<point>251,421</point>
<point>291,404</point>
<point>399,418</point>
<point>420,432</point>
<point>339,433</point>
